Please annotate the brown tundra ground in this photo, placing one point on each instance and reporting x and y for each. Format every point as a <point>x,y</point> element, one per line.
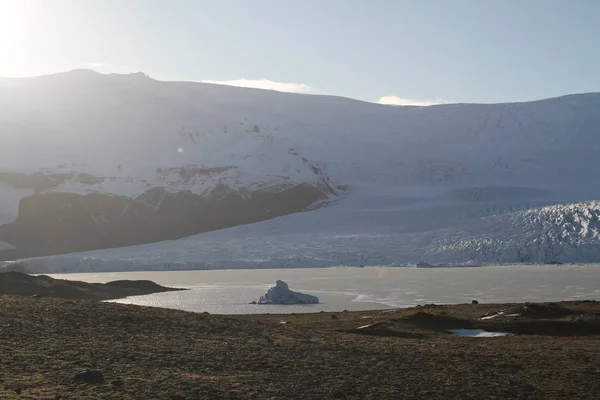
<point>153,353</point>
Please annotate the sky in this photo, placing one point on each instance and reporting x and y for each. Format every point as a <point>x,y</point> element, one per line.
<point>391,51</point>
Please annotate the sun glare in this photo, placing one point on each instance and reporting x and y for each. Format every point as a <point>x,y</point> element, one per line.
<point>12,23</point>
<point>13,32</point>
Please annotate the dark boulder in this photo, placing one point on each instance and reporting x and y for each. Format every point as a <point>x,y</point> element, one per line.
<point>92,377</point>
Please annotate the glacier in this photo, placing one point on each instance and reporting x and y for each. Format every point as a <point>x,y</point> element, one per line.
<point>449,184</point>
<point>344,236</point>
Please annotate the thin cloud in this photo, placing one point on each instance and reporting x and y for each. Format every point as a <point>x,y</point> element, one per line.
<point>399,101</point>
<point>110,68</point>
<point>266,84</point>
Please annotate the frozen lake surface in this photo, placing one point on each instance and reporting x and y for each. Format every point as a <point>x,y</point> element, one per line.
<point>231,291</point>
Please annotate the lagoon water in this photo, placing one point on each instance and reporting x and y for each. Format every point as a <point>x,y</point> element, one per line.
<point>231,291</point>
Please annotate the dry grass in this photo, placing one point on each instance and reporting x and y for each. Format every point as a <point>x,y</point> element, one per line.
<point>151,353</point>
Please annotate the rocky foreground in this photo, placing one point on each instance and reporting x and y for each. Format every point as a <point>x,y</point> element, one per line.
<point>80,349</point>
<point>17,283</point>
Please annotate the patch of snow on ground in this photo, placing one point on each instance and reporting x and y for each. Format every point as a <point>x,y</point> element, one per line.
<point>492,316</point>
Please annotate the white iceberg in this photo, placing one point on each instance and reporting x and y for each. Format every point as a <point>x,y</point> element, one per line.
<point>281,294</point>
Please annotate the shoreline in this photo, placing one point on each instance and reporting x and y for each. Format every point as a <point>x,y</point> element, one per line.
<point>14,265</point>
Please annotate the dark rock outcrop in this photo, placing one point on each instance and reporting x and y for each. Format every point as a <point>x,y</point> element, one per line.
<point>55,223</point>
<point>92,377</point>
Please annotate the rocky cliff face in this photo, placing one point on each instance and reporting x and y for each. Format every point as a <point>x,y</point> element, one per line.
<point>54,223</point>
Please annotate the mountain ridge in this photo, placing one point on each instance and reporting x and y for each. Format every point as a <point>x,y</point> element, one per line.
<point>92,72</point>
<point>131,136</point>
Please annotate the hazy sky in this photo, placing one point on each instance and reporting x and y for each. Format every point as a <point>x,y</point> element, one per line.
<point>425,50</point>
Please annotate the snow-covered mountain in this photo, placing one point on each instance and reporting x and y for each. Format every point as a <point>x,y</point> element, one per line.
<point>92,161</point>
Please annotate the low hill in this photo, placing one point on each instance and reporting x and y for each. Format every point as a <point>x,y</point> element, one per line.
<point>17,283</point>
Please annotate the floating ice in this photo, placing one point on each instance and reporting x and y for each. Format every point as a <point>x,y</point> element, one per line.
<point>281,294</point>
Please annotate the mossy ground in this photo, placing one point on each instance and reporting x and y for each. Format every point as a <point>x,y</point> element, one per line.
<point>153,353</point>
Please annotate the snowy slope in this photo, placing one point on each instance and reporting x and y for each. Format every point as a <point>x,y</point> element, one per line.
<point>124,128</point>
<point>9,202</point>
<point>449,183</point>
<point>133,133</point>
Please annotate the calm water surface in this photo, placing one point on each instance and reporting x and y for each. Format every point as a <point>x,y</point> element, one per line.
<point>230,291</point>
